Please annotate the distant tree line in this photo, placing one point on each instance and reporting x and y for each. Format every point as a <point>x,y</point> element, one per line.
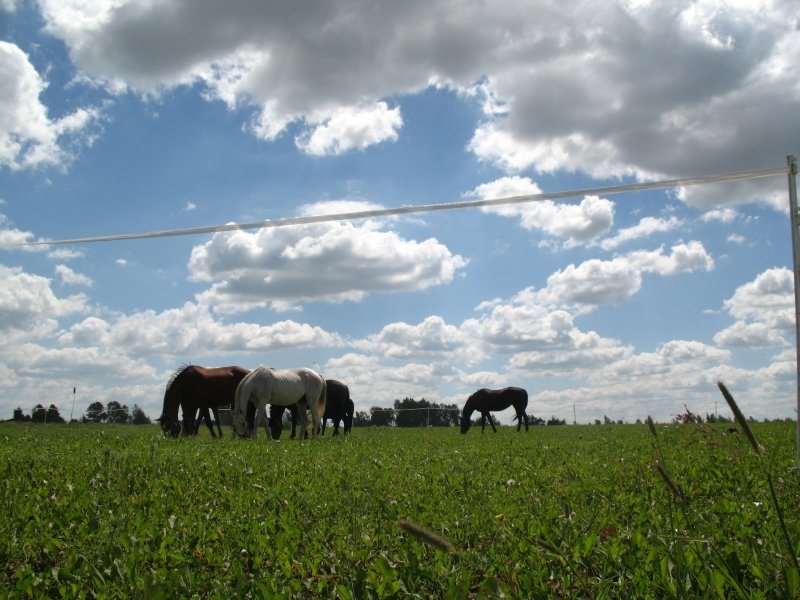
<point>114,412</point>
<point>409,413</point>
<point>39,414</point>
<point>421,413</point>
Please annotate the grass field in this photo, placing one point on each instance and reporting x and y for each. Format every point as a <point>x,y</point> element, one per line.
<point>569,511</point>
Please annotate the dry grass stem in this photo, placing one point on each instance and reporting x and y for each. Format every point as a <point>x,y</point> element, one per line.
<point>740,418</point>
<point>427,536</point>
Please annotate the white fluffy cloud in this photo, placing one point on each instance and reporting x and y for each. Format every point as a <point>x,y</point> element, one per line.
<point>69,277</point>
<point>764,311</point>
<point>432,339</point>
<point>351,128</point>
<point>575,223</point>
<point>644,228</point>
<point>28,136</point>
<point>28,306</point>
<point>348,261</point>
<point>596,281</point>
<point>191,330</point>
<point>622,88</point>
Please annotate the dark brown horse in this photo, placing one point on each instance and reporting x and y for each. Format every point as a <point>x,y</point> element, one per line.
<point>487,401</point>
<point>339,407</point>
<point>196,388</point>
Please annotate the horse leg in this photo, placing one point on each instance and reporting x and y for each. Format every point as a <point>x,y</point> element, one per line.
<point>262,414</point>
<point>215,410</point>
<point>265,419</point>
<point>295,416</point>
<point>205,416</point>
<point>315,418</point>
<point>301,409</point>
<point>483,421</point>
<point>491,422</point>
<point>187,423</point>
<point>335,427</point>
<point>324,420</point>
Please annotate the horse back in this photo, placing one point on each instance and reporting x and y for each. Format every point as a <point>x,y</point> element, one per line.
<point>494,400</point>
<point>288,386</point>
<point>215,386</point>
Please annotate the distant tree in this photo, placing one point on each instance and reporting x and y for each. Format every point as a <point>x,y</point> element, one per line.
<point>53,416</point>
<point>534,420</point>
<point>717,418</point>
<point>95,413</point>
<point>421,413</point>
<point>361,419</point>
<point>411,413</point>
<point>556,421</point>
<point>38,414</point>
<point>445,415</point>
<point>381,416</point>
<point>19,415</point>
<point>138,417</point>
<point>117,413</point>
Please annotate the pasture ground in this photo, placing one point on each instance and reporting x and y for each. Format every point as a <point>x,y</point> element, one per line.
<point>566,511</point>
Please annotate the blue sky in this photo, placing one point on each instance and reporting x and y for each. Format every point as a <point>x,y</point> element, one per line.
<point>125,117</point>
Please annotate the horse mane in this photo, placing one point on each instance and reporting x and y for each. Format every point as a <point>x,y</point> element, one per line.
<point>178,372</point>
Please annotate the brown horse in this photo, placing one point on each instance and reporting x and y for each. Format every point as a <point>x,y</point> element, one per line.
<point>196,388</point>
<point>486,401</point>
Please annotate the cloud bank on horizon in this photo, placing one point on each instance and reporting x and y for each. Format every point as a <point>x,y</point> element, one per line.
<point>631,90</point>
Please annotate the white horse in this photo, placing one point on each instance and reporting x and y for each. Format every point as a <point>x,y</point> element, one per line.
<point>265,385</point>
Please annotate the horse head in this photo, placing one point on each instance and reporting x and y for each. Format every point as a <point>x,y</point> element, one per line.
<point>239,424</point>
<point>465,423</point>
<point>275,428</point>
<point>169,426</point>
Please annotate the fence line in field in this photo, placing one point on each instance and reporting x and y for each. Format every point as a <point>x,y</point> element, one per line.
<point>418,208</point>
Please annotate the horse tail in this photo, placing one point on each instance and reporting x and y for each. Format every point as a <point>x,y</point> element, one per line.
<point>351,407</point>
<point>323,397</point>
<point>242,396</point>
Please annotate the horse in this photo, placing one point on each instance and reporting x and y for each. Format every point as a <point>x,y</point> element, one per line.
<point>265,385</point>
<point>338,407</point>
<point>485,401</point>
<point>193,387</point>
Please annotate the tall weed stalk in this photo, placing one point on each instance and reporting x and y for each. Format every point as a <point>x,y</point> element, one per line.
<point>721,569</point>
<point>761,453</point>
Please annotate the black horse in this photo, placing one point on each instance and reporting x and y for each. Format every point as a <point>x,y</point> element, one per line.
<point>338,406</point>
<point>487,401</point>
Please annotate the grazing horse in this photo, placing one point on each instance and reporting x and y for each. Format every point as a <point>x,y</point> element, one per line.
<point>265,385</point>
<point>193,387</point>
<point>339,406</point>
<point>486,401</point>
